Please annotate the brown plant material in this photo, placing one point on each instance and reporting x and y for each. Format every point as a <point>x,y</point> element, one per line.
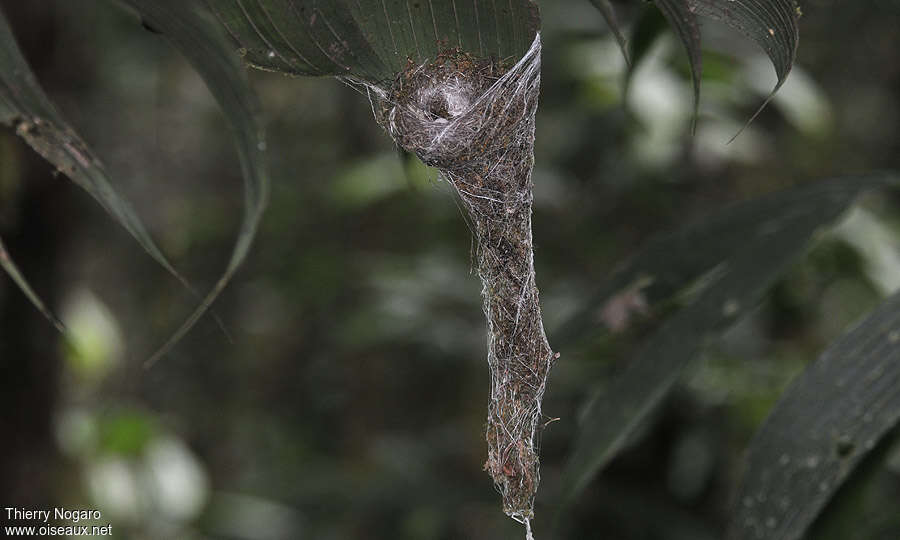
<point>474,120</point>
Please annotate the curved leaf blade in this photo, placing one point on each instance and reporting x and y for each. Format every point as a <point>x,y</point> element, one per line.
<point>25,107</point>
<point>772,24</point>
<point>649,25</point>
<point>766,236</point>
<point>609,13</point>
<point>10,268</point>
<point>684,21</point>
<point>823,426</point>
<point>195,34</point>
<point>372,40</point>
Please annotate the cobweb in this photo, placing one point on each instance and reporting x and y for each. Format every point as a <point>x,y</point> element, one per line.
<point>474,120</point>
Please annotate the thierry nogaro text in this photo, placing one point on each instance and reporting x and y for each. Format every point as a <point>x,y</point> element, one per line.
<point>73,516</point>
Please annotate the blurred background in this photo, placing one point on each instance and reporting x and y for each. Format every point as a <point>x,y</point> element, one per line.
<point>351,402</point>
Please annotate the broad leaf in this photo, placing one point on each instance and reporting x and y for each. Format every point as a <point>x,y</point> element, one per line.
<point>670,262</point>
<point>860,507</point>
<point>196,35</point>
<point>739,252</point>
<point>372,40</point>
<point>25,107</point>
<point>827,421</point>
<point>772,24</point>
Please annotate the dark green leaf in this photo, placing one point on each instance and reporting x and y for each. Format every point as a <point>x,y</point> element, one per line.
<point>192,31</point>
<point>669,263</point>
<point>25,107</point>
<point>770,23</point>
<point>864,506</point>
<point>372,40</point>
<point>739,252</point>
<point>829,419</point>
<point>649,25</point>
<point>684,21</point>
<point>609,13</point>
<point>10,267</point>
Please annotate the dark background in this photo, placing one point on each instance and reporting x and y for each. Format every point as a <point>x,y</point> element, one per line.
<point>351,401</point>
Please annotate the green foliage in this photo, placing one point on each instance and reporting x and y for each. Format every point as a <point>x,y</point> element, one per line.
<point>684,20</point>
<point>193,33</point>
<point>372,40</point>
<point>609,13</point>
<point>691,285</point>
<point>772,24</point>
<point>25,107</point>
<point>16,275</point>
<point>825,424</point>
<point>126,432</point>
<point>745,249</point>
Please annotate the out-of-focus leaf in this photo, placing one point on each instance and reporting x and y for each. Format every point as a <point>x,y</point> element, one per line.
<point>864,506</point>
<point>195,34</point>
<point>738,260</point>
<point>822,427</point>
<point>670,262</point>
<point>126,432</point>
<point>25,107</point>
<point>649,25</point>
<point>10,267</point>
<point>684,21</point>
<point>372,40</point>
<point>609,13</point>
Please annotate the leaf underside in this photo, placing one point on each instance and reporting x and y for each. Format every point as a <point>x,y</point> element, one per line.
<point>772,24</point>
<point>372,40</point>
<point>826,422</point>
<point>739,252</point>
<point>193,31</point>
<point>25,107</point>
